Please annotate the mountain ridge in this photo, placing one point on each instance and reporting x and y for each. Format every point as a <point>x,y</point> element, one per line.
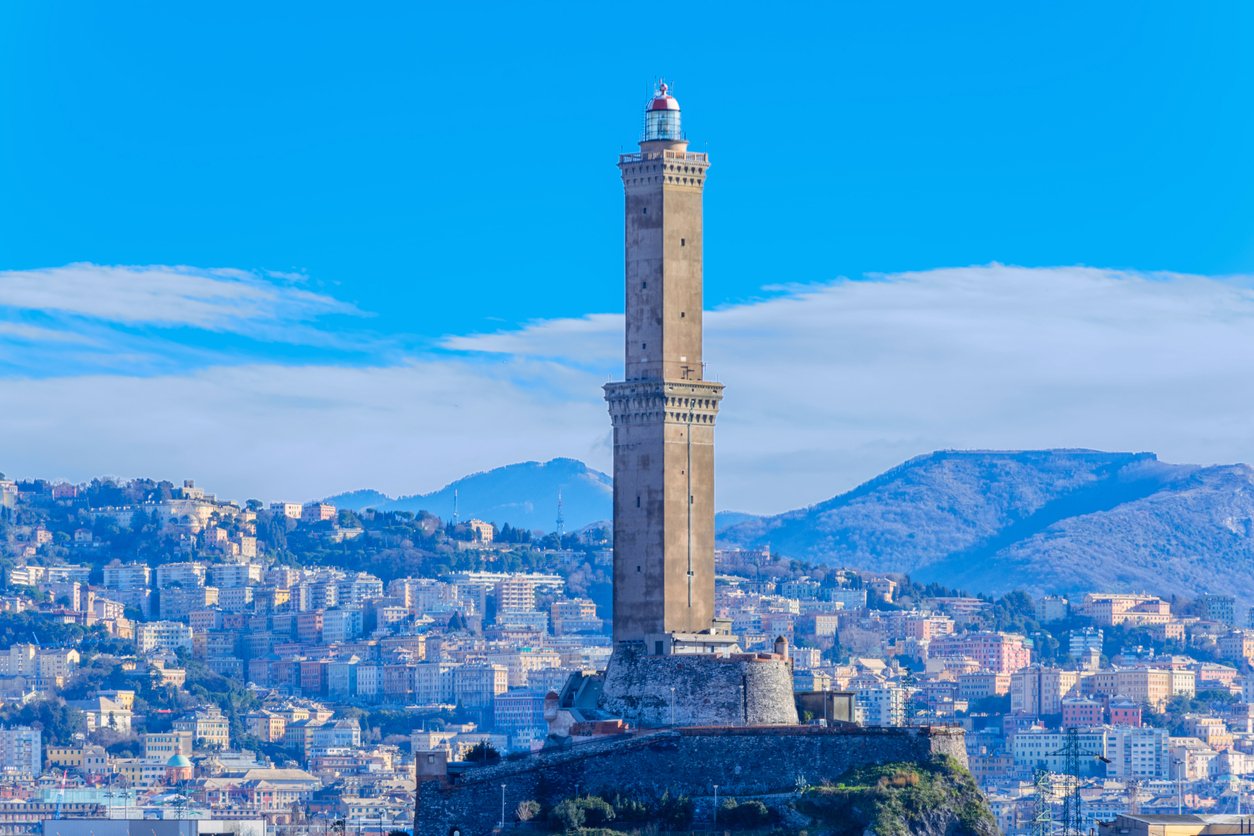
<point>1059,521</point>
<point>514,493</point>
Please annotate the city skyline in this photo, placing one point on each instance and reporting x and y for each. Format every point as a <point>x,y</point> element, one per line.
<point>350,255</point>
<point>262,266</point>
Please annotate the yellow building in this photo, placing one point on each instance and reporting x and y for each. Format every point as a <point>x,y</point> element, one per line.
<point>266,725</point>
<point>139,772</point>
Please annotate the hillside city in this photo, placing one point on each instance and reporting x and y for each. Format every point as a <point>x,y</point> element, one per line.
<point>169,655</point>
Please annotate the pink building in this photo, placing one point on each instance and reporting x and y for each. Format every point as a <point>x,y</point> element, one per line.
<point>64,490</point>
<point>1124,712</point>
<point>995,652</point>
<point>1081,713</point>
<point>927,627</point>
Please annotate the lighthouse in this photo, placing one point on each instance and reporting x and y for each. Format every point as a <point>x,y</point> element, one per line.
<point>663,411</point>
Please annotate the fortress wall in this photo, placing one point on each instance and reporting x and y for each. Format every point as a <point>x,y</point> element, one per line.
<point>705,690</point>
<point>685,761</point>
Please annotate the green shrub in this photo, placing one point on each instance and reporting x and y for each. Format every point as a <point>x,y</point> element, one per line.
<point>892,799</point>
<point>568,815</point>
<point>483,753</point>
<point>675,813</point>
<point>632,811</point>
<point>596,810</point>
<point>747,816</point>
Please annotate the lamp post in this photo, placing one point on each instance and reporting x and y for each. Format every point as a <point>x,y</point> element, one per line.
<point>715,815</point>
<point>672,706</point>
<point>502,825</point>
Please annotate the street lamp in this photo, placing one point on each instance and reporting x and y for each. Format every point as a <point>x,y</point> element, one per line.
<point>502,825</point>
<point>672,705</point>
<point>716,803</point>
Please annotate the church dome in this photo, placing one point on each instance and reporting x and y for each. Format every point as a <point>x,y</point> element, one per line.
<point>179,761</point>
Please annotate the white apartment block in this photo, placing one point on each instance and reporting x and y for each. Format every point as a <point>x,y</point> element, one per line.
<point>1138,752</point>
<point>20,752</point>
<point>180,574</point>
<point>163,635</point>
<point>433,683</point>
<point>233,575</point>
<point>127,576</point>
<point>883,705</point>
<point>476,685</point>
<point>291,510</point>
<point>48,666</point>
<point>1040,749</point>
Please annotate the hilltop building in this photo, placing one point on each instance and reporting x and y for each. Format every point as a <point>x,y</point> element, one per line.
<point>680,707</point>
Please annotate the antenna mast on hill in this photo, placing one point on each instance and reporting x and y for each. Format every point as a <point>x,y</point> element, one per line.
<point>561,521</point>
<point>455,520</point>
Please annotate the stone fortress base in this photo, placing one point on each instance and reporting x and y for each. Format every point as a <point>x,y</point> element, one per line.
<point>741,761</point>
<point>697,689</point>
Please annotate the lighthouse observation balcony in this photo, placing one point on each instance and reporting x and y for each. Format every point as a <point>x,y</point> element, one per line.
<point>668,401</point>
<point>679,168</point>
<point>667,156</point>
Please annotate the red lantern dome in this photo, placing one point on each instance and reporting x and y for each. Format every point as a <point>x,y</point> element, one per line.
<point>661,117</point>
<point>662,100</point>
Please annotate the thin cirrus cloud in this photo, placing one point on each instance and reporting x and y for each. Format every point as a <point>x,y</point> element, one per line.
<point>827,385</point>
<point>82,318</point>
<point>221,299</point>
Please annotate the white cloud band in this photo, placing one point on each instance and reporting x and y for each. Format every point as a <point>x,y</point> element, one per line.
<point>826,386</point>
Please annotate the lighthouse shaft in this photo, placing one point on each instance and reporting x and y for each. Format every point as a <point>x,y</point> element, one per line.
<point>663,413</point>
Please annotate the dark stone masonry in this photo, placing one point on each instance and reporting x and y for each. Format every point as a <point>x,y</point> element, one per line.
<point>684,761</point>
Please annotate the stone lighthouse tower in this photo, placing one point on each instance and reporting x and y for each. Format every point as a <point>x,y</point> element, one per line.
<point>674,662</point>
<point>663,412</point>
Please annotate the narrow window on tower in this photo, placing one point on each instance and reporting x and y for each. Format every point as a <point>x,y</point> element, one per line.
<point>681,314</point>
<point>682,242</point>
<point>637,500</point>
<point>646,210</point>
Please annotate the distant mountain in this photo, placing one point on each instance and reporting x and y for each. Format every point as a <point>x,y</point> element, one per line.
<point>724,520</point>
<point>1047,521</point>
<point>359,500</point>
<point>523,495</point>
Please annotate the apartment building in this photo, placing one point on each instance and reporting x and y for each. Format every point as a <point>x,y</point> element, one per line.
<point>20,752</point>
<point>163,635</point>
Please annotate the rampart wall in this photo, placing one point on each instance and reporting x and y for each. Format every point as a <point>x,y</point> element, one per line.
<point>683,761</point>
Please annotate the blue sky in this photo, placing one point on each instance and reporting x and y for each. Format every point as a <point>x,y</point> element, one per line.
<point>400,190</point>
